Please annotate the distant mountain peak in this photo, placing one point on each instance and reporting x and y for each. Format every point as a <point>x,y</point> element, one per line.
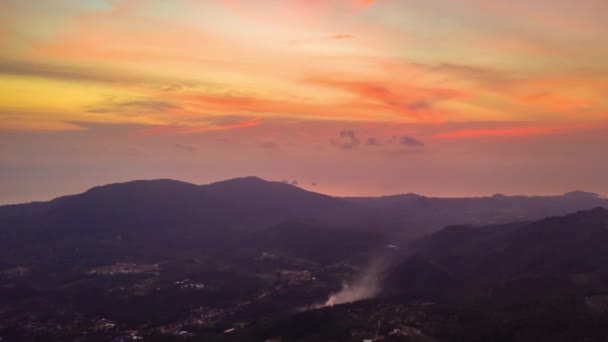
<point>242,181</point>
<point>581,194</point>
<point>249,179</point>
<point>164,182</point>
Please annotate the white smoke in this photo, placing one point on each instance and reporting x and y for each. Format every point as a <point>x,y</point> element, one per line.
<point>366,286</point>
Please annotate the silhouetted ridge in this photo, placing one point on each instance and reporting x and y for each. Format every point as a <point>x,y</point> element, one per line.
<point>141,186</point>
<point>166,205</point>
<point>240,181</point>
<point>255,197</point>
<point>249,186</point>
<point>253,202</point>
<point>581,194</point>
<point>560,245</point>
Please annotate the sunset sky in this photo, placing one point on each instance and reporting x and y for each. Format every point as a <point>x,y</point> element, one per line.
<point>346,97</point>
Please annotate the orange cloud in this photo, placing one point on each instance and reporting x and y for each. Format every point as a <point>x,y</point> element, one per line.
<point>199,128</point>
<point>524,130</point>
<point>499,132</point>
<point>39,126</point>
<point>404,100</point>
<point>247,105</point>
<point>369,78</point>
<point>555,102</point>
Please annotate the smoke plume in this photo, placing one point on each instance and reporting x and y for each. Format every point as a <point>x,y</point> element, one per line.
<point>366,285</point>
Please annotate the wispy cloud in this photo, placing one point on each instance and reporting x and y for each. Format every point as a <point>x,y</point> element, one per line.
<point>199,127</point>
<point>348,140</point>
<point>67,72</point>
<point>175,69</point>
<point>406,100</point>
<point>524,130</point>
<point>138,107</point>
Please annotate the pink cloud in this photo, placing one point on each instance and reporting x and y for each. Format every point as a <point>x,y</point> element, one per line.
<point>520,131</point>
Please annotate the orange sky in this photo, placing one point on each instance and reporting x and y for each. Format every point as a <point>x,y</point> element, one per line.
<point>356,96</point>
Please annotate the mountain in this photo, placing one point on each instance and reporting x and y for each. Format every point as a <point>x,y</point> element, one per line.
<point>418,215</point>
<point>565,245</point>
<point>257,200</point>
<point>243,201</point>
<point>253,203</point>
<point>165,215</point>
<point>248,260</point>
<point>546,279</point>
<point>146,252</point>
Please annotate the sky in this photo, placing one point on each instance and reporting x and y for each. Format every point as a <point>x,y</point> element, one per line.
<point>345,97</point>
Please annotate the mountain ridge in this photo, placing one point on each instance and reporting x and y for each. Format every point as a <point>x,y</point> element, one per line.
<point>255,179</point>
<point>255,203</point>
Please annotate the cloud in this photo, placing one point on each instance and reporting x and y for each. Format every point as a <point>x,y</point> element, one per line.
<point>36,121</point>
<point>512,130</point>
<point>172,87</point>
<point>373,142</point>
<point>503,132</point>
<point>206,125</point>
<point>419,105</point>
<point>405,100</point>
<point>468,72</point>
<point>136,107</point>
<point>410,141</point>
<point>39,126</point>
<point>188,148</point>
<point>70,73</point>
<point>150,104</point>
<point>348,140</point>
